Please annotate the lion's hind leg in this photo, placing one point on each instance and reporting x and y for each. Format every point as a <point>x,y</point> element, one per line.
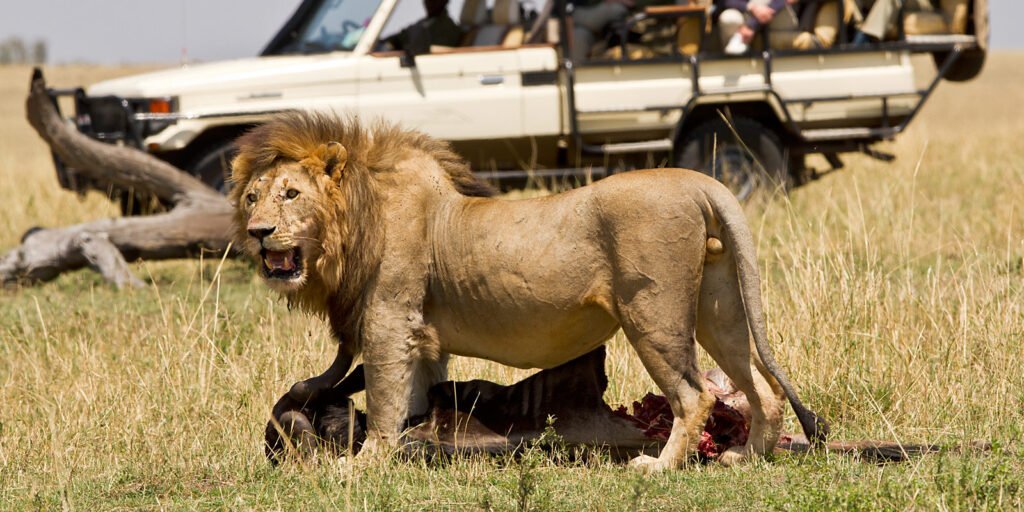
<point>660,326</point>
<point>671,363</point>
<point>722,331</point>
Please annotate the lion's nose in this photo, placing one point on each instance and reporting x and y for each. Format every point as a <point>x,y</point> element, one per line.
<point>261,232</point>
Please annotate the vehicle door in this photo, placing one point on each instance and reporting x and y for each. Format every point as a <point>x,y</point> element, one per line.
<point>468,92</point>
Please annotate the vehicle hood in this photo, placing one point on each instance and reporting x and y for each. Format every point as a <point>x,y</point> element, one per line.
<point>233,75</point>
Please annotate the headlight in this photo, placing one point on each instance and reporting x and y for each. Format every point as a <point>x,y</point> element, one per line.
<point>155,114</point>
<point>161,106</point>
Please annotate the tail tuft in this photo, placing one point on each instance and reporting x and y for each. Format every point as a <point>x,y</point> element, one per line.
<point>815,428</point>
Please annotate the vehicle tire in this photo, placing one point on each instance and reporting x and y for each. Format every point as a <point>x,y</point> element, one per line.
<point>753,164</point>
<point>966,67</point>
<point>213,166</point>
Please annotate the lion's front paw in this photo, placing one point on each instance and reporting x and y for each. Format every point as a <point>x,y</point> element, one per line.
<point>373,451</point>
<point>648,464</point>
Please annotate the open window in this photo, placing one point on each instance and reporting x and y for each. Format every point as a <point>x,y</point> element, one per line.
<point>610,31</point>
<point>462,24</point>
<point>689,27</point>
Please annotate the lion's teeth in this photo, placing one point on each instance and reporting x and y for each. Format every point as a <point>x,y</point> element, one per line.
<point>280,260</point>
<point>288,262</point>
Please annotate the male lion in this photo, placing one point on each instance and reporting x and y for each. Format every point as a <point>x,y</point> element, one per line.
<point>376,229</point>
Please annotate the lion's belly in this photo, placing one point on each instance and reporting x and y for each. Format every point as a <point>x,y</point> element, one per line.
<point>539,338</point>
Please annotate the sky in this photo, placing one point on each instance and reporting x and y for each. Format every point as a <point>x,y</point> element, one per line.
<point>165,31</point>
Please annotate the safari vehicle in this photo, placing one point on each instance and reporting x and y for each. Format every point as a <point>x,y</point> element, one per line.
<point>511,99</point>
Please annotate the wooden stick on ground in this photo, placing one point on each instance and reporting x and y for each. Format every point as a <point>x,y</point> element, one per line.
<point>199,219</point>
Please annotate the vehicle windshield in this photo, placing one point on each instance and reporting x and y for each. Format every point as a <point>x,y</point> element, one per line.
<point>337,25</point>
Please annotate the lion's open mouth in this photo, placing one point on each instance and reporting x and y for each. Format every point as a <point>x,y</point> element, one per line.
<point>282,264</point>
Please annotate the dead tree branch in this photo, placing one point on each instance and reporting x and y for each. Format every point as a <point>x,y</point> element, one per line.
<point>199,219</point>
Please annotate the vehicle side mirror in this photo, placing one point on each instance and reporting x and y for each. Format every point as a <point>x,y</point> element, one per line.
<point>417,44</point>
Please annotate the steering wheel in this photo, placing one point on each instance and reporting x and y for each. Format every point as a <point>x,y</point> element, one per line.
<point>333,41</point>
<point>346,27</point>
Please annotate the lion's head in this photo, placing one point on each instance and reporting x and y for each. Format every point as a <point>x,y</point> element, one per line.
<point>281,211</point>
<point>305,200</point>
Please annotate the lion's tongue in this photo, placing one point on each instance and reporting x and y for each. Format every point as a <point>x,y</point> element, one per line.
<point>280,260</point>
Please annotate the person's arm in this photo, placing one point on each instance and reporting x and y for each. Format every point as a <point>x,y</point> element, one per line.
<point>762,15</point>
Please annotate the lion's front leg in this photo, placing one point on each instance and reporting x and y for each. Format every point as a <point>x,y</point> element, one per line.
<point>399,373</point>
<point>306,390</point>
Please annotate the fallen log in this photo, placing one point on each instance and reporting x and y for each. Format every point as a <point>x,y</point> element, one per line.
<point>198,219</point>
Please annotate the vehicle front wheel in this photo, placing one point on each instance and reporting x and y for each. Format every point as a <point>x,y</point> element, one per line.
<point>746,156</point>
<point>213,166</point>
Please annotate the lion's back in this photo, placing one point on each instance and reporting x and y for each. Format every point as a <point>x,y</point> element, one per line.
<point>655,186</point>
<point>646,201</point>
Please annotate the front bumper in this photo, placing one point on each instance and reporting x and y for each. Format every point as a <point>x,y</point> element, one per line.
<point>110,119</point>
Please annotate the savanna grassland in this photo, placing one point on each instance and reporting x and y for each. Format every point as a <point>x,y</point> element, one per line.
<point>894,292</point>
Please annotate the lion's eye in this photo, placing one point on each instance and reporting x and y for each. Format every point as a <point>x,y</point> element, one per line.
<point>291,193</point>
<point>251,197</point>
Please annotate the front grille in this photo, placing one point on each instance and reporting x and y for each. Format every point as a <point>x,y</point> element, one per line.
<point>112,118</point>
<point>106,116</point>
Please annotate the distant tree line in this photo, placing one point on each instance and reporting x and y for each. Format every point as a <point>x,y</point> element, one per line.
<point>14,50</point>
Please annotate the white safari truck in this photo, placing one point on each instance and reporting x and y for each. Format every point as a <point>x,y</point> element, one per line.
<point>654,88</point>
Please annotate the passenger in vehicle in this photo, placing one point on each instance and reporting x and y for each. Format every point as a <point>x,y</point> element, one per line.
<point>441,30</point>
<point>742,19</point>
<point>882,16</point>
<point>819,25</point>
<point>593,18</point>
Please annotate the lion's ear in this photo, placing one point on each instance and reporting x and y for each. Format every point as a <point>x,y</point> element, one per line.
<point>335,156</point>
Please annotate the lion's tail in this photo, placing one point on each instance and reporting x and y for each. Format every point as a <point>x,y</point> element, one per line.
<point>737,235</point>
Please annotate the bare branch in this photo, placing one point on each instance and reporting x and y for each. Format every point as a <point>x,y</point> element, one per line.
<point>181,233</point>
<point>104,258</point>
<point>200,220</point>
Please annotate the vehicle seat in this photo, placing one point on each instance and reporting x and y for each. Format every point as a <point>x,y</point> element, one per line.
<point>472,17</point>
<point>949,18</point>
<point>503,30</point>
<point>956,14</point>
<point>507,12</point>
<point>924,23</point>
<point>689,31</point>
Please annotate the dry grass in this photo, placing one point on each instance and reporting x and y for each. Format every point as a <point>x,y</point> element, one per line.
<point>894,296</point>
